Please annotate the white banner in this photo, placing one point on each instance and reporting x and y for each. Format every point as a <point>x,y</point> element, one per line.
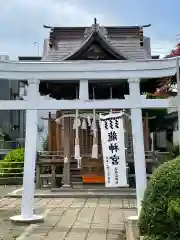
<point>113,148</point>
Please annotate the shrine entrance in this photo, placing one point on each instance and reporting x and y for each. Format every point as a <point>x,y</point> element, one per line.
<point>131,70</point>
<point>86,161</point>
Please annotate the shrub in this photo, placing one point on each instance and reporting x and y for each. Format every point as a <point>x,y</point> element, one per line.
<point>160,213</point>
<point>45,143</point>
<point>173,151</point>
<point>13,163</point>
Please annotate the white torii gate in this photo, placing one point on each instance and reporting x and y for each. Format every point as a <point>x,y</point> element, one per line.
<point>84,71</point>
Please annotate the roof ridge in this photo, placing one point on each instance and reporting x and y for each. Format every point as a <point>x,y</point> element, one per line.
<point>118,54</point>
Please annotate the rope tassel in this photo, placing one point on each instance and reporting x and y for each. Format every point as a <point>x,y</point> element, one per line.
<point>74,124</point>
<point>77,149</point>
<point>84,125</point>
<point>77,146</point>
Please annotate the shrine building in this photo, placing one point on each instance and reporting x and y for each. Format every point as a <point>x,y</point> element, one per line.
<point>123,43</point>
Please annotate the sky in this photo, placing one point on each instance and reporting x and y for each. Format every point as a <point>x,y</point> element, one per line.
<point>21,21</point>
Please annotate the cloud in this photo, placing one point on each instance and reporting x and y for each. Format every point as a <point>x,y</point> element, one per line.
<point>161,47</point>
<point>22,22</point>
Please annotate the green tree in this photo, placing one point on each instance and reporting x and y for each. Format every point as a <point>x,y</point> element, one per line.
<point>160,214</point>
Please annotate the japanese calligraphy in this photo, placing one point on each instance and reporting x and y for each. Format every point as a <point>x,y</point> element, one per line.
<point>113,148</point>
<point>111,123</point>
<point>116,175</point>
<point>112,136</point>
<point>108,170</point>
<point>114,159</point>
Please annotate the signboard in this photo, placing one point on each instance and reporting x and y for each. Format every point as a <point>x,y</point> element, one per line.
<point>113,149</point>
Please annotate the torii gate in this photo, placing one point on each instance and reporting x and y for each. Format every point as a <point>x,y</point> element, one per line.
<point>84,71</point>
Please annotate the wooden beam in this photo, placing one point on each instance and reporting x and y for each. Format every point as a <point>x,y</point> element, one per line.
<point>67,149</point>
<point>49,133</point>
<point>146,133</point>
<point>58,133</point>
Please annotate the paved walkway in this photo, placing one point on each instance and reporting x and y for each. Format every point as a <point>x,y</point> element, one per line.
<point>5,189</point>
<point>71,219</point>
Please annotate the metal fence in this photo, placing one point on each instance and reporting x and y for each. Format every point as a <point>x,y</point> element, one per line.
<point>11,173</point>
<point>6,146</point>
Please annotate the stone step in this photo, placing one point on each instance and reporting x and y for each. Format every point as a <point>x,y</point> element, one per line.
<point>82,188</point>
<point>77,194</point>
<point>76,180</point>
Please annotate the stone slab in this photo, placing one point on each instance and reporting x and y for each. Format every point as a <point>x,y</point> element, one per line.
<point>79,193</point>
<point>78,218</point>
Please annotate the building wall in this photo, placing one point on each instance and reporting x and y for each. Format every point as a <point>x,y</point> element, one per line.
<point>22,93</point>
<point>4,95</point>
<point>9,118</point>
<point>175,133</point>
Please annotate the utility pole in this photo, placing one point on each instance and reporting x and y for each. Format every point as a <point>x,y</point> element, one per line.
<point>38,46</point>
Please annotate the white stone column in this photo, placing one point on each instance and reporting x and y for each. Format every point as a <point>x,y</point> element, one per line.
<point>138,142</point>
<point>83,89</point>
<point>27,204</point>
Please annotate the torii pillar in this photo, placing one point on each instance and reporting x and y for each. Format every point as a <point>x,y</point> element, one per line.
<point>27,204</point>
<point>138,142</point>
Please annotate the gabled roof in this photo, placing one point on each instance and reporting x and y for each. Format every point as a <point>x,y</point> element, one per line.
<point>122,42</point>
<point>95,37</point>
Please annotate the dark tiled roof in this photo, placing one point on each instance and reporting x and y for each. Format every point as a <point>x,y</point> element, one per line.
<point>124,39</point>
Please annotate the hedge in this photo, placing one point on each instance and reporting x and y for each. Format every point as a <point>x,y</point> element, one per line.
<point>160,213</point>
<point>13,163</point>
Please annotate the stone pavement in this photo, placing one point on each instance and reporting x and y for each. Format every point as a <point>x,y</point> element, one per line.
<point>74,218</point>
<point>8,208</point>
<point>5,189</point>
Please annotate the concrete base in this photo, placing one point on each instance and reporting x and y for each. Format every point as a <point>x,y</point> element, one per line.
<point>21,219</point>
<point>66,186</point>
<point>132,228</point>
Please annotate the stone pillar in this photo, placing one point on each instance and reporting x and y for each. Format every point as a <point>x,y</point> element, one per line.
<point>132,228</point>
<point>138,142</point>
<point>84,90</point>
<point>27,204</point>
<point>67,154</point>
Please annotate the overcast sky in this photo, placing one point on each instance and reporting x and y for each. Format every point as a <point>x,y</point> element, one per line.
<point>21,21</point>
